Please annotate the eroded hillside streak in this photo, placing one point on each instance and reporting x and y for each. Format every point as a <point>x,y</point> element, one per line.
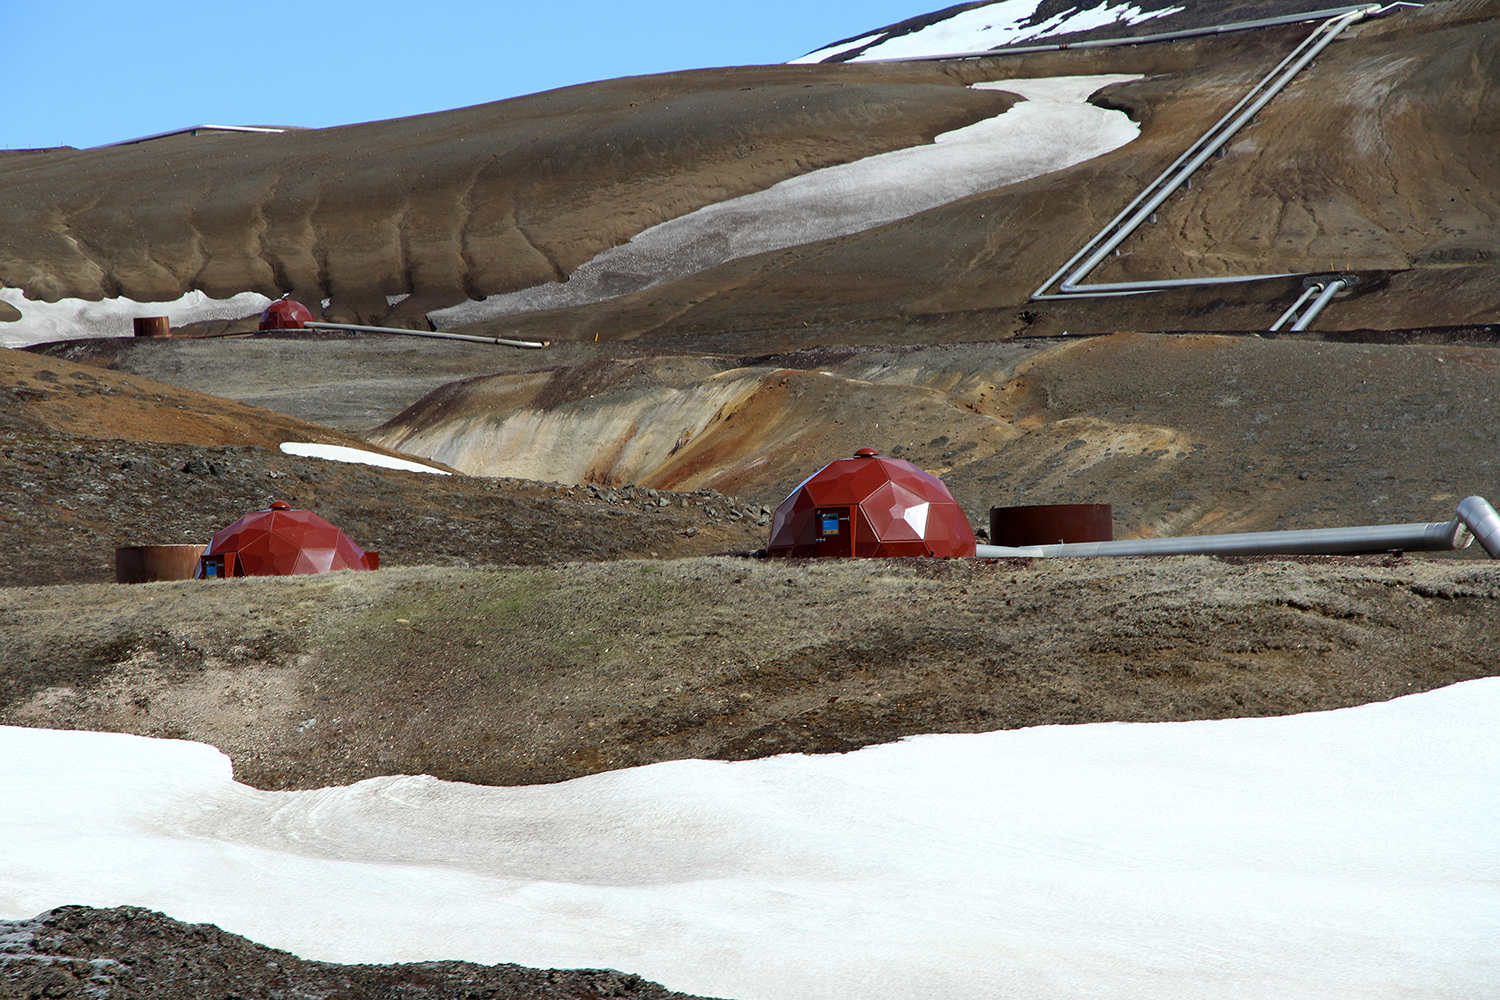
<point>744,430</point>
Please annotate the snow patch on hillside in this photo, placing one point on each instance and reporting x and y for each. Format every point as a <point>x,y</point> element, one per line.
<point>1052,129</point>
<point>356,456</point>
<point>73,319</point>
<point>1345,854</point>
<point>979,29</point>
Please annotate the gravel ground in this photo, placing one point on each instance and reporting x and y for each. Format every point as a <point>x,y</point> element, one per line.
<point>128,953</point>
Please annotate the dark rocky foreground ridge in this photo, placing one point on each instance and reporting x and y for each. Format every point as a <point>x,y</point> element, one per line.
<point>130,953</point>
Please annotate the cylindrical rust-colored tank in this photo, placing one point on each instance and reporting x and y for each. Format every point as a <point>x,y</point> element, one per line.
<point>152,326</point>
<point>150,563</point>
<point>1052,524</point>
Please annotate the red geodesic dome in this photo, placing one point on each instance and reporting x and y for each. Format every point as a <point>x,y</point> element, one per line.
<point>871,506</point>
<point>285,314</point>
<point>281,542</point>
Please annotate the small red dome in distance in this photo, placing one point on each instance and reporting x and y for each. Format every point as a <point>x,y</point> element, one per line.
<point>281,541</point>
<point>871,506</point>
<point>285,314</point>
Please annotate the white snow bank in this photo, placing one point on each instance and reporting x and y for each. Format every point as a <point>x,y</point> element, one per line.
<point>1053,128</point>
<point>978,29</point>
<point>358,456</point>
<point>1337,855</point>
<point>72,319</point>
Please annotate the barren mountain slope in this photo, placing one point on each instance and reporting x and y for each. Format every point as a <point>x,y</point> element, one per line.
<point>53,397</point>
<point>1183,434</point>
<point>91,459</point>
<point>1376,160</point>
<point>528,631</point>
<point>447,205</point>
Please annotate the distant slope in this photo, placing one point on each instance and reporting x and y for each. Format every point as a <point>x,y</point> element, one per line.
<point>1379,159</point>
<point>47,395</point>
<point>446,206</point>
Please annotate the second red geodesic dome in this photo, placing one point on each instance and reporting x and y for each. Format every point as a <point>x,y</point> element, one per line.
<point>281,541</point>
<point>868,506</point>
<point>285,314</point>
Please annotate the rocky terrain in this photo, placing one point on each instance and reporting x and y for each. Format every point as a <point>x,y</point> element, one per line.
<point>582,596</point>
<point>129,952</point>
<point>517,675</point>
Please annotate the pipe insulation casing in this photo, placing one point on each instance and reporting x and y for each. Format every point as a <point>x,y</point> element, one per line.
<point>1307,293</point>
<point>1324,297</point>
<point>1436,536</point>
<point>1480,518</point>
<point>361,328</point>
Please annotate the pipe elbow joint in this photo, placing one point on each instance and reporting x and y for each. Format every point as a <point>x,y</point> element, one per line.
<point>1480,518</point>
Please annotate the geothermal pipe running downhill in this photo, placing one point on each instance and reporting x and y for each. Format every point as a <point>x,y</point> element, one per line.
<point>1325,289</point>
<point>357,328</point>
<point>1143,207</point>
<point>1476,519</point>
<point>288,314</point>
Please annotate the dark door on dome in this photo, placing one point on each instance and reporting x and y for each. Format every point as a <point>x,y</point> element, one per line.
<point>835,531</point>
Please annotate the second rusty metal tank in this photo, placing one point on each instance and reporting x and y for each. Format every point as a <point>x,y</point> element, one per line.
<point>1052,524</point>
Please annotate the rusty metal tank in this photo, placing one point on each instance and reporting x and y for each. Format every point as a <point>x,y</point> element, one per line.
<point>1052,524</point>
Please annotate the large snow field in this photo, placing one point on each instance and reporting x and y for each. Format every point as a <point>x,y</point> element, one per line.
<point>979,29</point>
<point>1052,129</point>
<point>1353,853</point>
<point>70,319</point>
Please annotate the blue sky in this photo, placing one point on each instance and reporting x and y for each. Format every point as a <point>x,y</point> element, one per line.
<point>84,72</point>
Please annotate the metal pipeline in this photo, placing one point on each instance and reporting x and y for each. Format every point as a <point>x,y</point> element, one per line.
<point>1307,293</point>
<point>1480,518</point>
<point>1476,518</point>
<point>357,328</point>
<point>1151,197</point>
<point>1328,292</point>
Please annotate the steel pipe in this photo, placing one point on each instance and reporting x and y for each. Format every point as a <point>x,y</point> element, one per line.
<point>1480,518</point>
<point>1144,205</point>
<point>1476,519</point>
<point>1326,296</point>
<point>1182,169</point>
<point>358,328</point>
<point>1307,293</point>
